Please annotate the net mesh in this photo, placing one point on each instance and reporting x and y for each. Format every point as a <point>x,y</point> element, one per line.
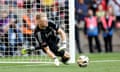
<point>17,25</point>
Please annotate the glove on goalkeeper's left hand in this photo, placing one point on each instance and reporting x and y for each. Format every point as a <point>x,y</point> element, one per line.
<point>63,46</point>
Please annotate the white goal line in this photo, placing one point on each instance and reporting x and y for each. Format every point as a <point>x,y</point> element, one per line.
<point>25,62</point>
<point>94,61</point>
<point>105,61</point>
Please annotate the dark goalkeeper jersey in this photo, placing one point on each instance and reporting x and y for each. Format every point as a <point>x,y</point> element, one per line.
<point>48,36</point>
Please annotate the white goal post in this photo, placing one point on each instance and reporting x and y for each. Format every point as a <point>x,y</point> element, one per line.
<point>72,30</point>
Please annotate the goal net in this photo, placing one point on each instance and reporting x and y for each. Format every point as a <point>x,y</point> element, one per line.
<point>17,23</point>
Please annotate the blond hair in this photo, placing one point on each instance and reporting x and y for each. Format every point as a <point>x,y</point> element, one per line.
<point>39,15</point>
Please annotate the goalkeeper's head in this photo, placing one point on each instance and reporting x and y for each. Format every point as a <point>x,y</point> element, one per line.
<point>42,20</point>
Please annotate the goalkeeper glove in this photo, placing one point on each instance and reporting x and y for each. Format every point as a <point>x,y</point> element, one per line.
<point>63,46</point>
<point>26,51</point>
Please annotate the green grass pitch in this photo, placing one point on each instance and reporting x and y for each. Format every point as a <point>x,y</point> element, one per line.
<point>104,62</point>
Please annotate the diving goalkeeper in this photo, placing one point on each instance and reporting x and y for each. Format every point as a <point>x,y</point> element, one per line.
<point>46,33</point>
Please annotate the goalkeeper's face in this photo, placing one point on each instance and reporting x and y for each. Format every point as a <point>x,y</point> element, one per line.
<point>43,21</point>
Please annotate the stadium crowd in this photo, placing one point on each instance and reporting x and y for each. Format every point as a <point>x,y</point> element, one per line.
<point>96,17</point>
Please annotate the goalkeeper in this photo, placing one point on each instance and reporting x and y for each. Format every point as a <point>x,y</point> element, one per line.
<point>46,33</point>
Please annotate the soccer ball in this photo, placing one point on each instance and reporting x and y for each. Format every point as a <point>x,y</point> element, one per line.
<point>83,61</point>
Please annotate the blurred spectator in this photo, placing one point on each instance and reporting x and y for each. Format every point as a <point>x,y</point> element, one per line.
<point>4,22</point>
<point>92,31</point>
<point>100,12</point>
<point>28,27</point>
<point>4,25</point>
<point>94,5</point>
<point>80,10</point>
<point>111,12</point>
<point>12,14</point>
<point>47,2</point>
<point>108,25</point>
<point>15,37</point>
<point>116,8</point>
<point>104,4</point>
<point>55,15</point>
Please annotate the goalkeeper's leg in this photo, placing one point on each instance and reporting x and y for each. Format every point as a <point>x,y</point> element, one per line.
<point>63,54</point>
<point>65,57</point>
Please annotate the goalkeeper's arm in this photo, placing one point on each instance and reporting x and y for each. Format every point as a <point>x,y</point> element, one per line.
<point>62,34</point>
<point>63,39</point>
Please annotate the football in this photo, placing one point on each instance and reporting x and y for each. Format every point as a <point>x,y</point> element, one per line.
<point>83,61</point>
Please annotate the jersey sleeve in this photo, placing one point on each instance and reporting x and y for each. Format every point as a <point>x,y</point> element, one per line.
<point>53,25</point>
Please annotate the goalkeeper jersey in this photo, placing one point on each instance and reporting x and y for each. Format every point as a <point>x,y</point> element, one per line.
<point>48,36</point>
